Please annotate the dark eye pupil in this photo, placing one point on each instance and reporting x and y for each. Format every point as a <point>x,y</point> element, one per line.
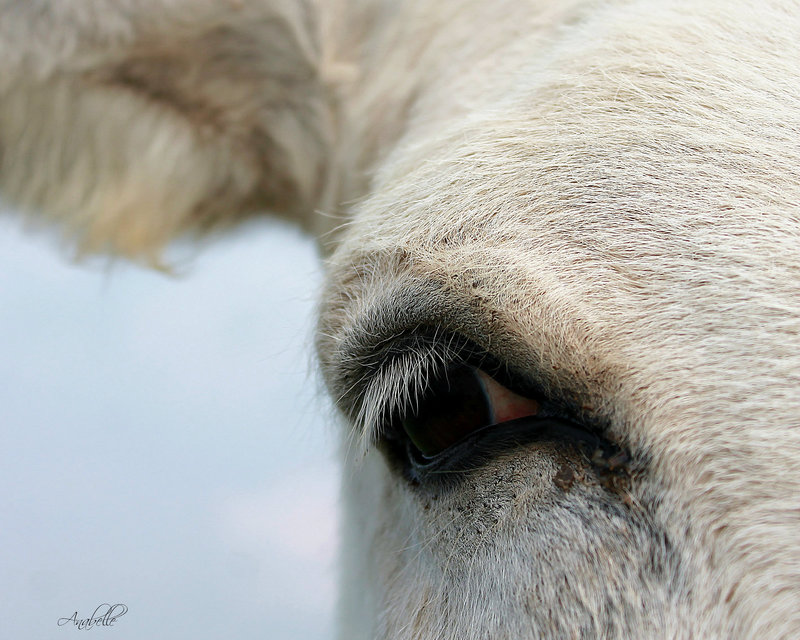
<point>454,406</point>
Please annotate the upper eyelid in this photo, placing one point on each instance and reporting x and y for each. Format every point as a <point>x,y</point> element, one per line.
<point>372,357</point>
<point>397,382</point>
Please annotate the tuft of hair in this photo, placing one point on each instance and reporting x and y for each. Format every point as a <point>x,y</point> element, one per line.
<point>129,123</point>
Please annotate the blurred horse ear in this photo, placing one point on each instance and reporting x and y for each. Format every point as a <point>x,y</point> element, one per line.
<point>130,122</point>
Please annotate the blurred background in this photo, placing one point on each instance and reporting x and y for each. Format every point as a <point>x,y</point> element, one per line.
<point>163,442</point>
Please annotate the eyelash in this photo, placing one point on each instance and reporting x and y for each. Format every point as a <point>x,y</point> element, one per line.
<point>399,375</point>
<point>399,384</point>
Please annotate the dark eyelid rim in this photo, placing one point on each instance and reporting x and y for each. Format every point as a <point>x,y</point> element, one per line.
<point>471,451</point>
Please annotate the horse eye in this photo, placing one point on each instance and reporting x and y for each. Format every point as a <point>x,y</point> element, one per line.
<point>459,403</point>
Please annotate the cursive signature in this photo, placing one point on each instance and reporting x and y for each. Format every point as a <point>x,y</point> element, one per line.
<point>104,616</point>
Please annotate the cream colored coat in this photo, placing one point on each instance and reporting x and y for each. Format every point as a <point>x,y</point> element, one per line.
<point>605,196</point>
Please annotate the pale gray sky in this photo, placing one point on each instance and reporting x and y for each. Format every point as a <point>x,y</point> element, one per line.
<point>163,443</point>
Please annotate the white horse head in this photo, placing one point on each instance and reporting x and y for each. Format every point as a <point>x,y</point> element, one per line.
<point>562,314</point>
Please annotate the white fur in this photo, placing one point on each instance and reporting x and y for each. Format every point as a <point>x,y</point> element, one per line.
<point>607,194</point>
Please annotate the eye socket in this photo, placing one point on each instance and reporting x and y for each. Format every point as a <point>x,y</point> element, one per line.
<point>458,404</point>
